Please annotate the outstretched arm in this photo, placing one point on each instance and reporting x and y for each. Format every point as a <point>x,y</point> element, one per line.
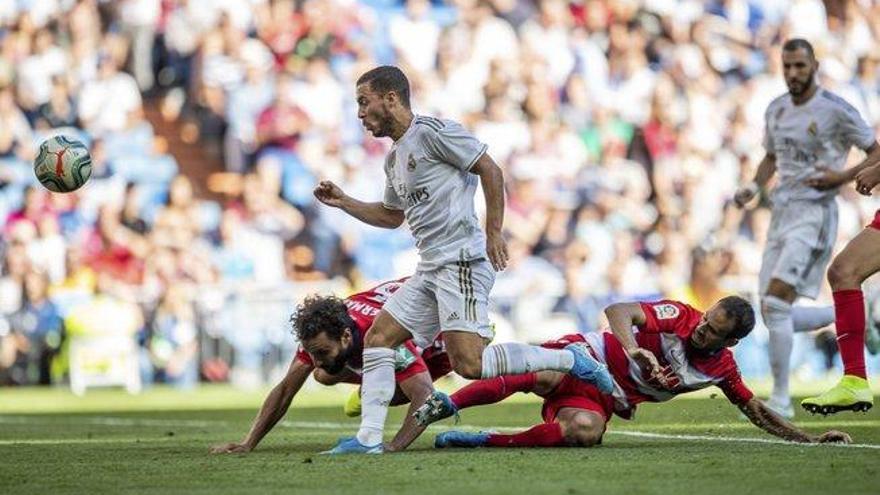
<point>417,388</point>
<point>274,408</point>
<point>767,420</point>
<point>375,214</point>
<point>830,179</point>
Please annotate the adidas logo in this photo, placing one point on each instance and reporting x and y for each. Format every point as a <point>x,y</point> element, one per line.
<point>453,316</point>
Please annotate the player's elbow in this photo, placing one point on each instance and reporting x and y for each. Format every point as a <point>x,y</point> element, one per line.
<point>393,219</point>
<point>614,309</point>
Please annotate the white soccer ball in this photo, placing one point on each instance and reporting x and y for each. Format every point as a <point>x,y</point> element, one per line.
<point>63,164</point>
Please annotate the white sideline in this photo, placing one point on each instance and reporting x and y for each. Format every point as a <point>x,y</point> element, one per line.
<point>326,425</point>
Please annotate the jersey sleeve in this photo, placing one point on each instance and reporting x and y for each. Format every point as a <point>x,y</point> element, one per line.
<point>390,199</point>
<point>408,362</point>
<point>734,389</point>
<point>666,316</point>
<point>852,128</point>
<point>453,144</point>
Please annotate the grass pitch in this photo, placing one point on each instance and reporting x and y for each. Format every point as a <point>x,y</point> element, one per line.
<point>109,442</point>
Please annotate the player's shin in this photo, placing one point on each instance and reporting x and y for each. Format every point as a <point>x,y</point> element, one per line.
<point>849,306</point>
<point>809,318</point>
<point>543,435</point>
<point>515,359</point>
<point>492,390</point>
<point>777,316</point>
<point>377,388</point>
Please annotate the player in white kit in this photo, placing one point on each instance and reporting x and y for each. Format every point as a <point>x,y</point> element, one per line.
<point>431,173</point>
<point>808,135</point>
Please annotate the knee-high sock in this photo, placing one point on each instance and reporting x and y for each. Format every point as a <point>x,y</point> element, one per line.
<point>849,308</point>
<point>492,390</point>
<point>777,316</point>
<point>516,359</point>
<point>809,318</point>
<point>543,435</point>
<point>377,388</point>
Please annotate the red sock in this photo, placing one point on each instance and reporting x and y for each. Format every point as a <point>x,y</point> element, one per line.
<point>543,435</point>
<point>849,314</point>
<point>492,390</point>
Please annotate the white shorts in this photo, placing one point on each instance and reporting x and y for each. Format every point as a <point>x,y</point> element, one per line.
<point>452,297</point>
<point>799,244</point>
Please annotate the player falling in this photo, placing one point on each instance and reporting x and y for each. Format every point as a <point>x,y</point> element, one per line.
<point>331,333</point>
<point>431,172</point>
<point>675,349</point>
<point>809,132</point>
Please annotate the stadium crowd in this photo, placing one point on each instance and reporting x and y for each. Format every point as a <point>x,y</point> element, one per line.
<point>624,128</point>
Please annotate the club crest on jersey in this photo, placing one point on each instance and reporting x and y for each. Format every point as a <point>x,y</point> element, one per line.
<point>411,163</point>
<point>665,311</point>
<point>813,129</point>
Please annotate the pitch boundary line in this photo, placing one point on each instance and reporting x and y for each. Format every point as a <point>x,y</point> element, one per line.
<point>327,425</point>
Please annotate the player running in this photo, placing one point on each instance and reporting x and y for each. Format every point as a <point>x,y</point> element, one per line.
<point>676,349</point>
<point>851,267</point>
<point>432,171</point>
<point>809,132</point>
<point>331,334</point>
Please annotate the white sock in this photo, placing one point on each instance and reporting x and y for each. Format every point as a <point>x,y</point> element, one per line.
<point>809,318</point>
<point>777,316</point>
<point>377,388</point>
<point>516,359</point>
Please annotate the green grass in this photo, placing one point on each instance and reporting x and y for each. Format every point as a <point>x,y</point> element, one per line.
<point>109,442</point>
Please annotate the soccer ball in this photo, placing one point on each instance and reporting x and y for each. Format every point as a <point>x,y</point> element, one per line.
<point>63,164</point>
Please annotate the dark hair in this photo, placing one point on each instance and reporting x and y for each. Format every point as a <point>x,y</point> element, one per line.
<point>386,78</point>
<point>797,44</point>
<point>741,312</point>
<point>321,314</point>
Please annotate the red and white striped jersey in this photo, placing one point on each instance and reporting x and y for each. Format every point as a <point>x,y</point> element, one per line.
<point>666,333</point>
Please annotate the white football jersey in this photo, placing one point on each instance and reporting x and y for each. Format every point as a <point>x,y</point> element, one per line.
<point>817,133</point>
<point>428,177</point>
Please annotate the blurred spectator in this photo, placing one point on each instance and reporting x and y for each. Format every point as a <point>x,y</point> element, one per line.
<point>172,346</point>
<point>37,331</point>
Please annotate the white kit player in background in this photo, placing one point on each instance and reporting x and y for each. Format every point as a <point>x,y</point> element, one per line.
<point>808,135</point>
<point>431,173</point>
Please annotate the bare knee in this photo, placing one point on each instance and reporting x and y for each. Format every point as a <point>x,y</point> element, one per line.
<point>583,429</point>
<point>465,351</point>
<point>469,368</point>
<point>385,332</point>
<point>844,275</point>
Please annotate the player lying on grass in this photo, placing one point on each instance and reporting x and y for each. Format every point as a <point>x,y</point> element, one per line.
<point>676,349</point>
<point>331,332</point>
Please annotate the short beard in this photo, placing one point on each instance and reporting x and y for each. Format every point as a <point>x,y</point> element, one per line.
<point>806,87</point>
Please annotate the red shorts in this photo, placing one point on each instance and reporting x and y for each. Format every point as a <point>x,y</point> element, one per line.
<point>876,223</point>
<point>437,362</point>
<point>572,392</point>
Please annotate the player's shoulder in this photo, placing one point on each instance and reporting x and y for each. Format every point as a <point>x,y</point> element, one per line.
<point>778,103</point>
<point>427,123</point>
<point>831,98</point>
<point>669,309</point>
<point>837,102</point>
